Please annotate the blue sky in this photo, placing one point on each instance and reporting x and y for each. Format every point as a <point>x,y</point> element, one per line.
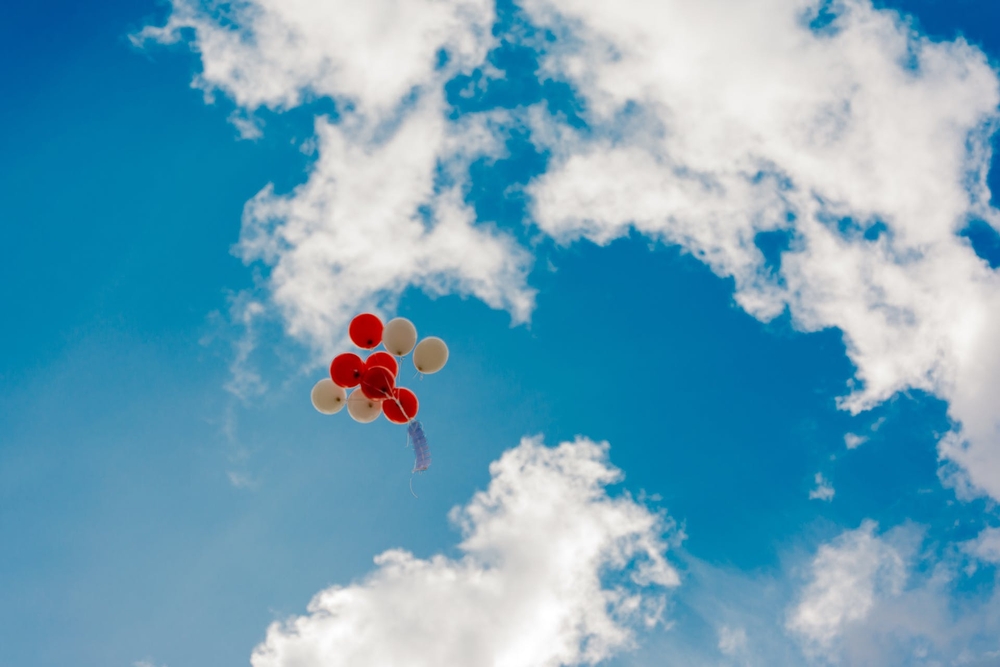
<point>150,516</point>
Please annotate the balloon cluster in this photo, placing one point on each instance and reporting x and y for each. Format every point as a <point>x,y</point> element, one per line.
<point>373,379</point>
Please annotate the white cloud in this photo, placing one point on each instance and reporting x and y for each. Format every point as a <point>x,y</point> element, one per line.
<point>553,571</point>
<point>847,574</point>
<point>710,122</point>
<point>241,480</point>
<point>823,491</point>
<point>244,380</point>
<point>371,220</point>
<point>862,598</point>
<point>879,600</point>
<point>853,440</point>
<point>714,121</point>
<point>986,546</point>
<point>247,126</point>
<point>369,56</point>
<point>352,237</point>
<point>732,641</point>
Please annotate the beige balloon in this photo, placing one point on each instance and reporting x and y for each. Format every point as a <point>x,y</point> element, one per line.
<point>362,408</point>
<point>327,397</point>
<point>430,355</point>
<point>399,336</point>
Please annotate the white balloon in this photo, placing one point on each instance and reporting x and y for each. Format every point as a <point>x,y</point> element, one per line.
<point>362,408</point>
<point>431,355</point>
<point>327,397</point>
<point>399,336</point>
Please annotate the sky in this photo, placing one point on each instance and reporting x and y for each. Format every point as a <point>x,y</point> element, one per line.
<point>719,282</point>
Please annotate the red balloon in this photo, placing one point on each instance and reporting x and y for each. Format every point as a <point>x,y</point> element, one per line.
<point>402,407</point>
<point>383,359</point>
<point>366,331</point>
<point>347,369</point>
<point>377,383</point>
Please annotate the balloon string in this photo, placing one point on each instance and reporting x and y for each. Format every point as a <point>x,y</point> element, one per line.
<point>402,411</point>
<point>399,367</point>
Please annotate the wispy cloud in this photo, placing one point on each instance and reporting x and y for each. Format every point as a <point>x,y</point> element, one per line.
<point>241,480</point>
<point>823,491</point>
<point>244,380</point>
<point>732,641</point>
<point>845,577</point>
<point>864,597</point>
<point>986,546</point>
<point>875,598</point>
<point>247,125</point>
<point>853,441</point>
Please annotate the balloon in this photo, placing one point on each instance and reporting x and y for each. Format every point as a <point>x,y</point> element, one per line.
<point>366,331</point>
<point>377,383</point>
<point>362,408</point>
<point>327,397</point>
<point>402,407</point>
<point>347,369</point>
<point>431,355</point>
<point>383,359</point>
<point>399,336</point>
